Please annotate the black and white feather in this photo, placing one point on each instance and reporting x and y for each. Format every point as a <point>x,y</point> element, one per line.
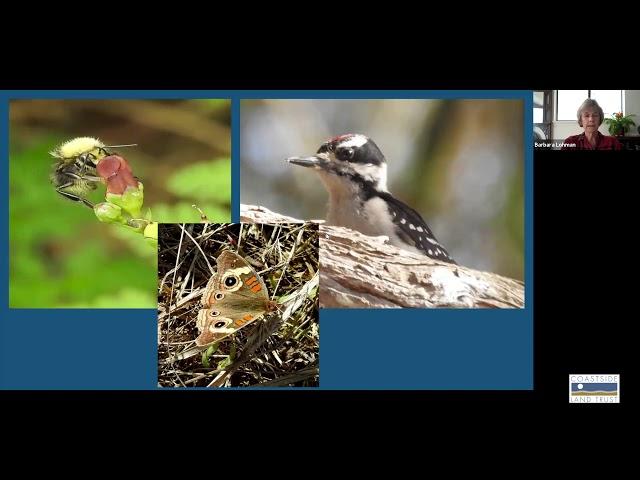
<point>354,172</point>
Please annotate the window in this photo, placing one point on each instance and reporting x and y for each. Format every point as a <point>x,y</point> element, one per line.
<point>611,101</point>
<point>569,101</point>
<point>538,107</point>
<point>542,114</point>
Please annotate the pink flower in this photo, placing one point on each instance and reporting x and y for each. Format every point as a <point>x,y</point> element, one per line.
<point>117,174</point>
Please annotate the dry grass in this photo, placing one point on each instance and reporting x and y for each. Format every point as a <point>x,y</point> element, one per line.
<point>279,350</point>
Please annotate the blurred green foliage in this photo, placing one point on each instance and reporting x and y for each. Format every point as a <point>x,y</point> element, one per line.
<point>205,184</point>
<point>61,256</point>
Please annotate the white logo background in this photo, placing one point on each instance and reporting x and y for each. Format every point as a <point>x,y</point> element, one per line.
<point>586,391</point>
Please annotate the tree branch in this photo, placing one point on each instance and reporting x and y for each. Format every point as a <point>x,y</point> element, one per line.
<point>367,272</point>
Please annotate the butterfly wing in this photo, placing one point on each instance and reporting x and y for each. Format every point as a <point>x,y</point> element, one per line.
<point>235,296</point>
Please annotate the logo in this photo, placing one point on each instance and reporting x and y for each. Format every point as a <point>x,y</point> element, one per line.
<point>594,388</point>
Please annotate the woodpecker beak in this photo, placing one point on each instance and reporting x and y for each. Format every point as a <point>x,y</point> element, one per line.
<point>304,161</point>
<point>316,161</point>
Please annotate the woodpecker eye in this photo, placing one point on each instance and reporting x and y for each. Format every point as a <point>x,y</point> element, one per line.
<point>344,153</point>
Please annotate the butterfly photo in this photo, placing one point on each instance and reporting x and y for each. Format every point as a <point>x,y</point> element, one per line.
<point>238,305</point>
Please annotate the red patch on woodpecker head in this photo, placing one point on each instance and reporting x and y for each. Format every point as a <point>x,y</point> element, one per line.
<point>341,138</point>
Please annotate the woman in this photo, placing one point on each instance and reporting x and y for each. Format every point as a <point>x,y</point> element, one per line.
<point>590,117</point>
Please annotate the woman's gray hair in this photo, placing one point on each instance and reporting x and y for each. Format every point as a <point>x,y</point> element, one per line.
<point>590,103</point>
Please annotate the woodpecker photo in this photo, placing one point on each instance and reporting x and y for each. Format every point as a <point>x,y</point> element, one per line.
<point>354,172</point>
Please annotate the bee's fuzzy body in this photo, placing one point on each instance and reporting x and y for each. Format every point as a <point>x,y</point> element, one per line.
<point>74,175</point>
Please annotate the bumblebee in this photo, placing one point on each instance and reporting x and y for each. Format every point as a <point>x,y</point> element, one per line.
<point>74,174</point>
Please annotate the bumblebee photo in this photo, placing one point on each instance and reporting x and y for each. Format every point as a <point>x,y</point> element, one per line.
<point>75,173</point>
<point>89,182</point>
<point>238,305</point>
<point>433,182</point>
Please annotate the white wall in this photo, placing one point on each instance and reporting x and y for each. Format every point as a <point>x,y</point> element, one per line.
<point>632,105</point>
<point>564,129</point>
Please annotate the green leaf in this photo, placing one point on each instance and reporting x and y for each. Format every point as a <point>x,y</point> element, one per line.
<point>224,363</point>
<point>312,293</point>
<point>229,360</point>
<point>207,354</point>
<point>204,181</point>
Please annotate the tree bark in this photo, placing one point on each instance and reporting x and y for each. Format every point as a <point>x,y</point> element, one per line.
<point>359,271</point>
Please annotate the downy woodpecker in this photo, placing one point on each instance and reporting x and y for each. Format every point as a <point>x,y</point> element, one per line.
<point>354,172</point>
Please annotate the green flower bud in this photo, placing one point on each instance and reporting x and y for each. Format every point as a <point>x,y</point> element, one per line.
<point>109,213</point>
<point>131,200</point>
